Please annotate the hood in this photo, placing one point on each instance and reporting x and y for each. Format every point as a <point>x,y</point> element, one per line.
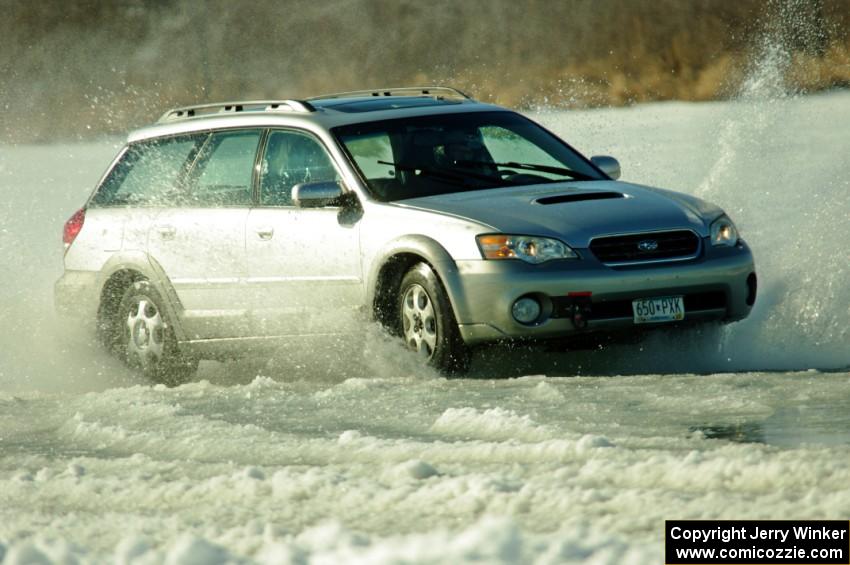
<point>574,212</point>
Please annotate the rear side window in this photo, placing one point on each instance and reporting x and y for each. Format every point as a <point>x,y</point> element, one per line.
<point>149,173</point>
<point>224,173</point>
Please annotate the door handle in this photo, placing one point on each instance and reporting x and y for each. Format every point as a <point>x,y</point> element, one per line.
<point>265,232</point>
<point>166,231</point>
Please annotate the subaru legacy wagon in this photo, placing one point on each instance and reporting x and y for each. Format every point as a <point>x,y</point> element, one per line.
<point>451,222</point>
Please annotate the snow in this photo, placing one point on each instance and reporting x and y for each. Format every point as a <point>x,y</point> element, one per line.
<point>332,453</point>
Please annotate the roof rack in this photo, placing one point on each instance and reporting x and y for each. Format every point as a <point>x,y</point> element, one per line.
<point>187,112</point>
<point>435,91</point>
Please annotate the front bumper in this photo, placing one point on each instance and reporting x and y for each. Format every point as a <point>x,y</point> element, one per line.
<point>719,285</point>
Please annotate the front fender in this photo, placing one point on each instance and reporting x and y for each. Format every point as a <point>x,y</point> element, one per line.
<point>431,252</point>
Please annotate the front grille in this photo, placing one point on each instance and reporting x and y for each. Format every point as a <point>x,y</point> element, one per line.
<point>644,247</point>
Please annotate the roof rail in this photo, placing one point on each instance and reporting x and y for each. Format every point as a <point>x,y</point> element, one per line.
<point>187,112</point>
<point>435,91</point>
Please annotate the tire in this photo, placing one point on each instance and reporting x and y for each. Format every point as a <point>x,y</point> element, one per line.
<point>144,337</point>
<point>426,321</point>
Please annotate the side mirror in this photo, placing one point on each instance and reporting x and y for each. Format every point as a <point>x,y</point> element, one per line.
<point>609,165</point>
<point>316,194</point>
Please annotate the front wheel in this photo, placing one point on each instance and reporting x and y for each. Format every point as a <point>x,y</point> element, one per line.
<point>146,338</point>
<point>426,321</point>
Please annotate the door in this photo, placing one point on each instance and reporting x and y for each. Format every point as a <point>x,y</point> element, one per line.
<point>200,243</point>
<point>145,178</point>
<point>304,273</point>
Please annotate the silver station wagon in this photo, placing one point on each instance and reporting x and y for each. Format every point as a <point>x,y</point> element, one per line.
<point>451,222</point>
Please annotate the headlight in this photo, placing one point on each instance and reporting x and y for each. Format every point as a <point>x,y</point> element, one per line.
<point>529,248</point>
<point>723,232</point>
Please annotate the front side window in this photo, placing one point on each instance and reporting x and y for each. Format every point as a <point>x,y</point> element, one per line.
<point>149,173</point>
<point>292,158</point>
<point>224,173</point>
<point>441,154</point>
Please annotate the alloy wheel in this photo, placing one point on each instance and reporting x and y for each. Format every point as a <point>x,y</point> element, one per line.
<point>419,321</point>
<point>146,330</point>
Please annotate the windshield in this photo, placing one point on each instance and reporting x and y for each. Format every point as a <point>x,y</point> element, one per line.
<point>441,154</point>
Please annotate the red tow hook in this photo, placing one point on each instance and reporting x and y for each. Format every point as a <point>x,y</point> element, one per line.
<point>580,308</point>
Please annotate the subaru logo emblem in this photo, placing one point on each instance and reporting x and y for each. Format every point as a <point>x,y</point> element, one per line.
<point>647,245</point>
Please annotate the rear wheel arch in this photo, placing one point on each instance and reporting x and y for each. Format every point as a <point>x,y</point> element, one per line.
<point>112,291</point>
<point>171,302</point>
<point>120,273</point>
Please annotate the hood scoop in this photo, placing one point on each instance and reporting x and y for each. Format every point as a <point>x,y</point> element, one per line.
<point>578,197</point>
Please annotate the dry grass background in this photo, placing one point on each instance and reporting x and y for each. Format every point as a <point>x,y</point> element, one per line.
<point>78,68</point>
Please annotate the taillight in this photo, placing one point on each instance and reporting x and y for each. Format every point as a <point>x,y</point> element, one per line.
<point>73,227</point>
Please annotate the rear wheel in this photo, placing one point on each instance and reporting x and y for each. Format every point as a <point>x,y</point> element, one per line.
<point>426,321</point>
<point>145,338</point>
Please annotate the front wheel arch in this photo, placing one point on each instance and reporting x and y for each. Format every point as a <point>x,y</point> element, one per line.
<point>396,258</point>
<point>387,285</point>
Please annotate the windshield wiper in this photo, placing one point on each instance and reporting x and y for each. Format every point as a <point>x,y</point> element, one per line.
<point>533,167</point>
<point>458,178</point>
<point>454,177</point>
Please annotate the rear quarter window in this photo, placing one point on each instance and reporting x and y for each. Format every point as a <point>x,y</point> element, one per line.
<point>149,173</point>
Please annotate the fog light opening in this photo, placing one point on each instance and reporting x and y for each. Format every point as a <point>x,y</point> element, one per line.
<point>752,289</point>
<point>526,310</point>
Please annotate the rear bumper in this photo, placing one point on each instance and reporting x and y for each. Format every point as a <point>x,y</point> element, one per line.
<point>715,287</point>
<point>75,296</point>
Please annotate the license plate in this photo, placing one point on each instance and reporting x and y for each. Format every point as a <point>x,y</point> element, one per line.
<point>662,309</point>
